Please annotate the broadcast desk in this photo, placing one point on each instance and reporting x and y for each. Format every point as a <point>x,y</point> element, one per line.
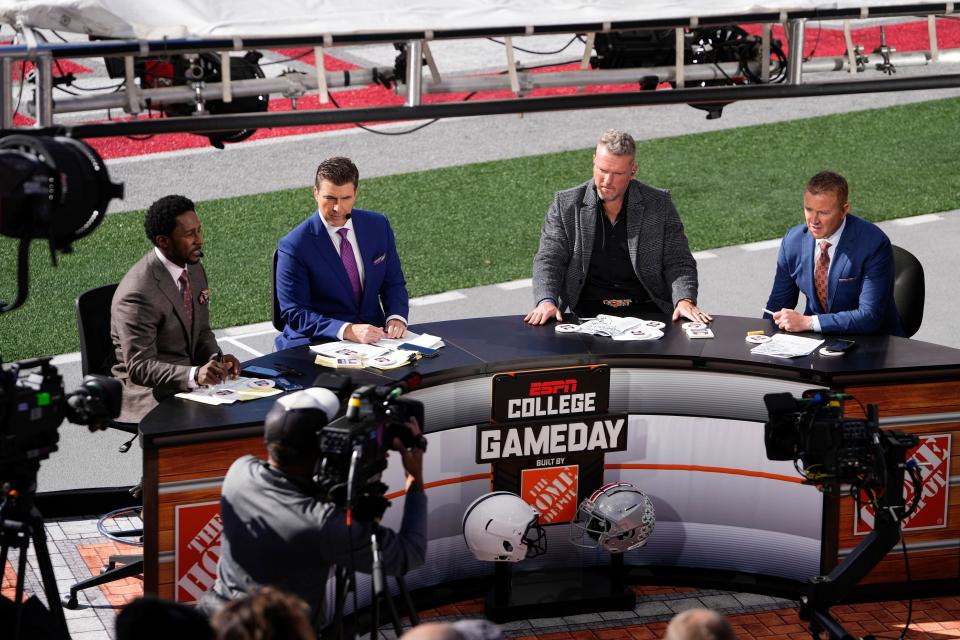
<point>694,418</point>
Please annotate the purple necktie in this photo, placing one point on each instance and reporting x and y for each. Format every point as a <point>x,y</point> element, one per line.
<point>349,262</point>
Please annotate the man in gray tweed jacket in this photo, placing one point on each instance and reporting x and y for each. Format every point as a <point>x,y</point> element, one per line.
<point>594,260</point>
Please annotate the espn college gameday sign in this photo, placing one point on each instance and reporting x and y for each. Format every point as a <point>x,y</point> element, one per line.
<point>932,456</point>
<point>548,433</point>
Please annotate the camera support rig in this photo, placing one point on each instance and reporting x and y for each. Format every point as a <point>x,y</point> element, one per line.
<point>825,591</point>
<point>835,451</point>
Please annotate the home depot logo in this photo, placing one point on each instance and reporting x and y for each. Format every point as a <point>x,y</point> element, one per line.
<point>552,491</point>
<point>199,528</point>
<point>932,456</point>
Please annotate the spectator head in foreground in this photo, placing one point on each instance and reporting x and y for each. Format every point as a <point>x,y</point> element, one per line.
<point>699,624</point>
<point>266,614</point>
<point>151,618</point>
<point>474,629</point>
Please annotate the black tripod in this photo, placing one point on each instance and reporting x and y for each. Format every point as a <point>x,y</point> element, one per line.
<point>21,523</point>
<point>346,582</point>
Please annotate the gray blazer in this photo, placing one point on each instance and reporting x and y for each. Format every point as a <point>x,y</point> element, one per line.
<point>154,348</point>
<point>658,247</point>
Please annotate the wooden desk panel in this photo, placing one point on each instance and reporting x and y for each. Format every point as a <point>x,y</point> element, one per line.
<point>905,400</point>
<point>185,474</point>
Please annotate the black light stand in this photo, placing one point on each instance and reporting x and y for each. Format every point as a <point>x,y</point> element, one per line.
<point>826,591</point>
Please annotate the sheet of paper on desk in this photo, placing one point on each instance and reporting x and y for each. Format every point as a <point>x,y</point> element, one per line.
<point>345,349</point>
<point>784,345</point>
<point>392,360</point>
<point>609,326</point>
<point>230,391</point>
<point>424,340</point>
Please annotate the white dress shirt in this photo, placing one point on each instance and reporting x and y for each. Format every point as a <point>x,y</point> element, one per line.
<point>175,271</point>
<point>352,237</point>
<point>833,239</point>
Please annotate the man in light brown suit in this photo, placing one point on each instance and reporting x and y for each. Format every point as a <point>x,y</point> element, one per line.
<point>159,319</point>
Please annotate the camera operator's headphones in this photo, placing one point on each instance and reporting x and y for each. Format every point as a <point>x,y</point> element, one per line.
<point>295,418</point>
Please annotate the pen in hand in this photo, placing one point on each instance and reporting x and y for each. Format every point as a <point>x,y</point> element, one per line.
<point>765,310</point>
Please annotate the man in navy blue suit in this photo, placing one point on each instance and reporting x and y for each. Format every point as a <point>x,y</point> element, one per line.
<point>338,272</point>
<point>843,265</point>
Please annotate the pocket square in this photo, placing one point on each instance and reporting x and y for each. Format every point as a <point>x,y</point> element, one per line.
<point>379,259</point>
<point>847,280</point>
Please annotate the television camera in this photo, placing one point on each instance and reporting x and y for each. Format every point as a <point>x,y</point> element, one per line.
<point>353,454</point>
<point>829,451</point>
<point>353,448</point>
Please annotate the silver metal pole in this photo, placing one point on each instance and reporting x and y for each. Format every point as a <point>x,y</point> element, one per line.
<point>291,84</point>
<point>6,93</point>
<point>414,72</point>
<point>795,33</point>
<point>44,93</point>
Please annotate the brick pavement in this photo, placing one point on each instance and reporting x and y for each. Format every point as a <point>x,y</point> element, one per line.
<point>77,551</point>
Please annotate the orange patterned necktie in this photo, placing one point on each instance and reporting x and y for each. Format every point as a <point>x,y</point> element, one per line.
<point>820,274</point>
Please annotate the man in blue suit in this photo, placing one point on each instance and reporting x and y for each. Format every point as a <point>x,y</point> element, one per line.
<point>338,272</point>
<point>843,265</point>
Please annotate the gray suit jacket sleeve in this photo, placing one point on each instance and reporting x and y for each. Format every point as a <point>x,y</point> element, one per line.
<point>553,255</point>
<point>679,266</point>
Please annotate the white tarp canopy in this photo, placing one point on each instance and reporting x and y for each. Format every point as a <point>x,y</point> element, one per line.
<point>157,19</point>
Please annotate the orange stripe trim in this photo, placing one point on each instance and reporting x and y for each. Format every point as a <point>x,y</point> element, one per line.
<point>441,483</point>
<point>703,469</point>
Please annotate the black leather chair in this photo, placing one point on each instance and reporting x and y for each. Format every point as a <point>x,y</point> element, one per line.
<point>909,289</point>
<point>275,318</point>
<point>97,356</point>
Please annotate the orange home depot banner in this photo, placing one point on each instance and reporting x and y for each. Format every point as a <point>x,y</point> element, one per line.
<point>552,491</point>
<point>932,456</point>
<point>198,528</point>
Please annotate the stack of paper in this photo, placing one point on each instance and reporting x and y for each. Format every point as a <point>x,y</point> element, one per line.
<point>230,391</point>
<point>627,328</point>
<point>784,345</point>
<point>384,354</point>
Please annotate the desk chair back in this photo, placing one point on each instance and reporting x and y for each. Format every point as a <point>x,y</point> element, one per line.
<point>96,347</point>
<point>276,318</point>
<point>93,323</point>
<point>909,289</point>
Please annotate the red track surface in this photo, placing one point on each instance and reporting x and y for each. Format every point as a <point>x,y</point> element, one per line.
<point>826,42</point>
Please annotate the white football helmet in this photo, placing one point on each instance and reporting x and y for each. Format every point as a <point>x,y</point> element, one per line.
<point>501,527</point>
<point>617,517</point>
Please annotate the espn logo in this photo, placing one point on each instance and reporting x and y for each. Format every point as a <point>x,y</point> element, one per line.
<point>551,387</point>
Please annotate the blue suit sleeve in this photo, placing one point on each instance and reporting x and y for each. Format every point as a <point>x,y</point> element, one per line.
<point>875,287</point>
<point>293,292</point>
<point>785,292</point>
<point>393,290</point>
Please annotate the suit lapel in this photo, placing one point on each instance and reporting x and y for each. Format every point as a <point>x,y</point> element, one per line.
<point>196,286</point>
<point>588,224</point>
<point>172,293</point>
<point>634,223</point>
<point>806,271</point>
<point>841,260</point>
<point>327,252</point>
<point>366,240</point>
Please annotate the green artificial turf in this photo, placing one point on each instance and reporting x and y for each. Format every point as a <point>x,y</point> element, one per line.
<point>479,224</point>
